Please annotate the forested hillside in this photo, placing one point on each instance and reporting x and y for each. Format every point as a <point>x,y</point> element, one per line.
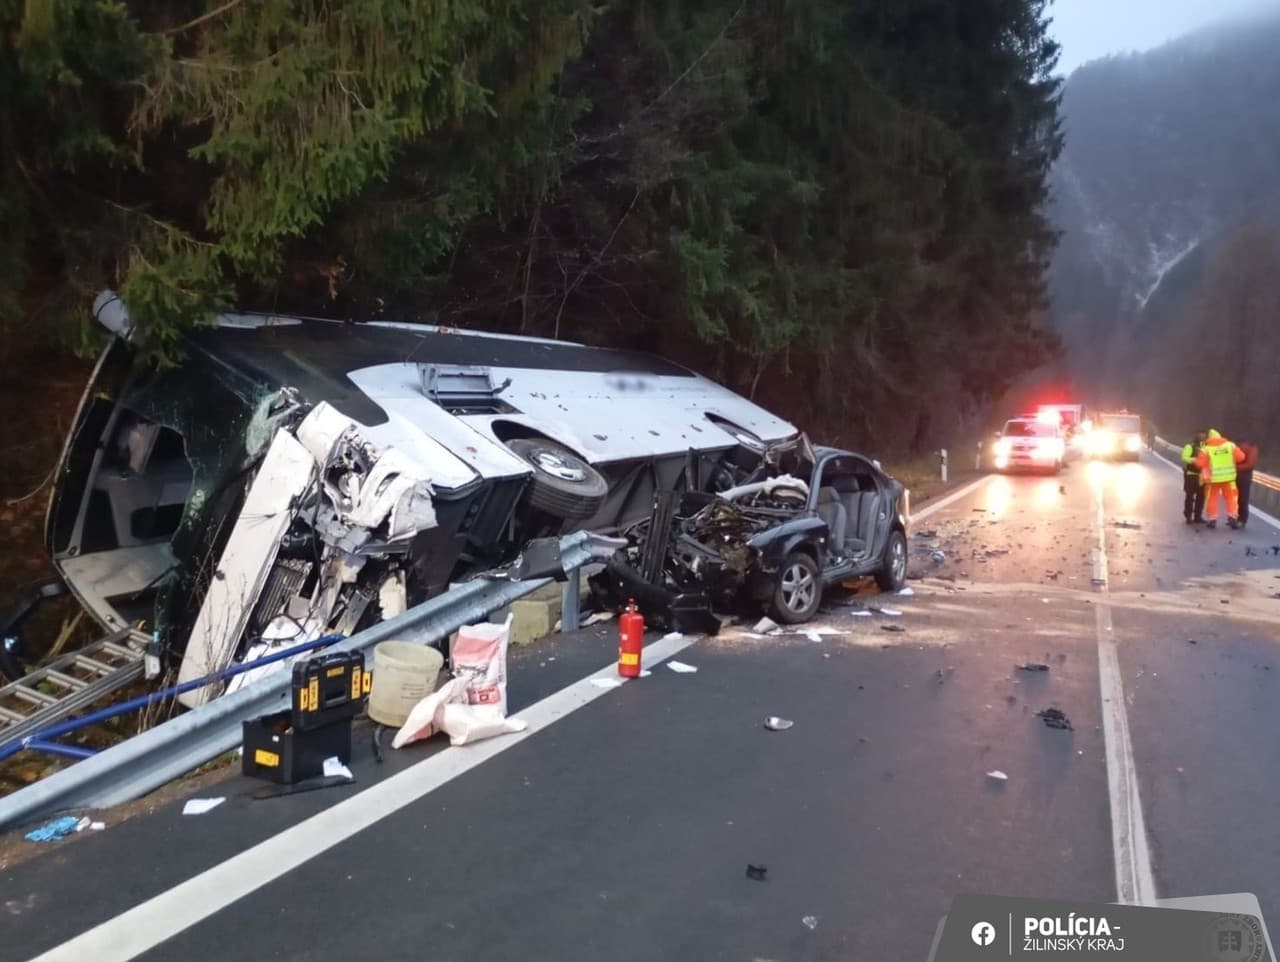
<point>1165,282</point>
<point>834,205</point>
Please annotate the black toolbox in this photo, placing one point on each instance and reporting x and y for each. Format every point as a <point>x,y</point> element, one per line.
<point>328,688</point>
<point>277,750</point>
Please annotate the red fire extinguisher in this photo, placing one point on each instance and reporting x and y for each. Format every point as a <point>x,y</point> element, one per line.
<point>630,641</point>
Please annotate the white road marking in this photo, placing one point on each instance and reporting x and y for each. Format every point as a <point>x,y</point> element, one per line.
<point>953,497</point>
<point>1253,510</point>
<point>1135,880</point>
<point>147,925</point>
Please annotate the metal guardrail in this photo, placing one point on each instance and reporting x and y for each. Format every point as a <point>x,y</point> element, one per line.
<point>145,762</point>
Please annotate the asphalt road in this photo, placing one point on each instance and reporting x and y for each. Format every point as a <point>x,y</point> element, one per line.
<point>621,826</point>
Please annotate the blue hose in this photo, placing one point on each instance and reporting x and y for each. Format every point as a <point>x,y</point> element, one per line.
<point>42,740</point>
<point>77,752</point>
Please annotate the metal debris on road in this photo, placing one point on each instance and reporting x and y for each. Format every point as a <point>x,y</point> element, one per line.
<point>1054,718</point>
<point>892,628</point>
<point>757,873</point>
<point>199,806</point>
<point>810,922</point>
<point>997,776</point>
<point>1032,666</point>
<point>51,832</point>
<point>776,724</point>
<point>679,667</point>
<point>333,768</point>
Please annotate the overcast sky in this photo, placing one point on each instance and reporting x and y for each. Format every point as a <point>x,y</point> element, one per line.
<point>1088,29</point>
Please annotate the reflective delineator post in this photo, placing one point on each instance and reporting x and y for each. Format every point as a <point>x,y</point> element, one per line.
<point>977,458</point>
<point>942,463</point>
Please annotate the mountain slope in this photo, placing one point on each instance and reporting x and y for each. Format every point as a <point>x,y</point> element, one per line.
<point>1167,152</point>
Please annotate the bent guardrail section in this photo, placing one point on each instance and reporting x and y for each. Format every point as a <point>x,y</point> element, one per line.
<point>145,762</point>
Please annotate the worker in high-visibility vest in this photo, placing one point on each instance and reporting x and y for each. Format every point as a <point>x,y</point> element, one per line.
<point>1217,461</point>
<point>1192,486</point>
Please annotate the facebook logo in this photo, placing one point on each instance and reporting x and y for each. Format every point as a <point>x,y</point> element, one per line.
<point>984,933</point>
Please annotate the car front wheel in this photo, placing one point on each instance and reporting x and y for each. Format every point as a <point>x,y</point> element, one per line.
<point>799,590</point>
<point>893,571</point>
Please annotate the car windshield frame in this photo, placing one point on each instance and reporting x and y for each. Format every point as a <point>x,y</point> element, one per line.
<point>1121,423</point>
<point>1026,428</point>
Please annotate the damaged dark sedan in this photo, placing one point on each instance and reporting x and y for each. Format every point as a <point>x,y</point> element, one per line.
<point>806,519</point>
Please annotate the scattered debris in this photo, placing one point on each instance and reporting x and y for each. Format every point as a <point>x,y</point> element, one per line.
<point>51,832</point>
<point>333,768</point>
<point>860,613</point>
<point>931,533</point>
<point>813,635</point>
<point>1131,525</point>
<point>1224,601</point>
<point>1062,489</point>
<point>906,592</point>
<point>1054,718</point>
<point>597,618</point>
<point>892,628</point>
<point>776,724</point>
<point>1249,552</point>
<point>997,776</point>
<point>1098,582</point>
<point>199,806</point>
<point>606,682</point>
<point>97,826</point>
<point>1032,666</point>
<point>765,625</point>
<point>757,873</point>
<point>938,557</point>
<point>1192,641</point>
<point>679,667</point>
<point>890,612</point>
<point>810,922</point>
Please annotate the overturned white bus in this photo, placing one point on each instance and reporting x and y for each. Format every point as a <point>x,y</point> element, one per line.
<point>295,476</point>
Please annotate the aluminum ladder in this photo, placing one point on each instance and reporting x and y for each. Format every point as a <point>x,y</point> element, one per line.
<point>70,682</point>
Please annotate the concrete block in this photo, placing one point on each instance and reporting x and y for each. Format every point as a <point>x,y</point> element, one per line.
<point>535,615</point>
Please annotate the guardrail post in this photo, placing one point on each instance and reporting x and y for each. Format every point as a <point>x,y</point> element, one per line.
<point>570,603</point>
<point>977,458</point>
<point>942,463</point>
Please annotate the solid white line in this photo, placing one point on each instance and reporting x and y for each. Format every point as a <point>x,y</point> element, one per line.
<point>164,916</point>
<point>1253,511</point>
<point>953,497</point>
<point>1135,879</point>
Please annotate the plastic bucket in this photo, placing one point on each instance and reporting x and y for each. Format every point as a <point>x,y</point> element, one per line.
<point>404,673</point>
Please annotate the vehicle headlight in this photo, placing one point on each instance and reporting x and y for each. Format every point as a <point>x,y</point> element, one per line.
<point>1101,441</point>
<point>1132,444</point>
<point>1003,447</point>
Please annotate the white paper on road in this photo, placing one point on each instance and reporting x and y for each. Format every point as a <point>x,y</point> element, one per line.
<point>333,766</point>
<point>606,682</point>
<point>891,612</point>
<point>813,636</point>
<point>860,613</point>
<point>907,592</point>
<point>198,806</point>
<point>645,673</point>
<point>998,776</point>
<point>681,668</point>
